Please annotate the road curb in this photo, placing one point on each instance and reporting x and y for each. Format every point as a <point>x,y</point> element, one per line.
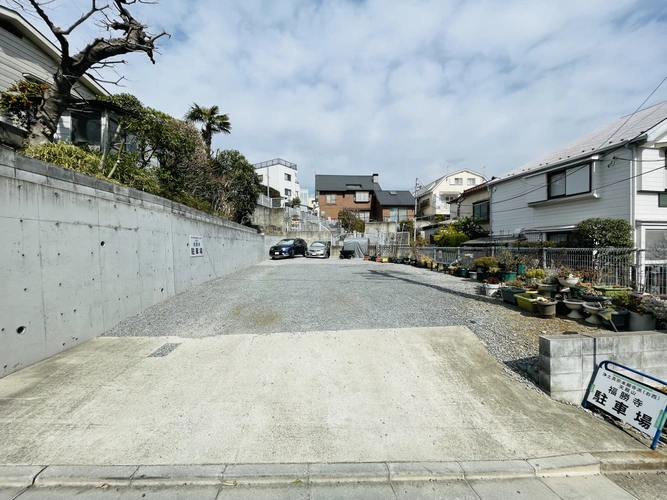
<point>232,475</point>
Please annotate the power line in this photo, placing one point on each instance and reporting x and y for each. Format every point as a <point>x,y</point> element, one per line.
<point>596,149</point>
<point>600,187</point>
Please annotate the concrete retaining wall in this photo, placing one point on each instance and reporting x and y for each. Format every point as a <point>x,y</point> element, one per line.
<point>567,362</point>
<point>79,255</point>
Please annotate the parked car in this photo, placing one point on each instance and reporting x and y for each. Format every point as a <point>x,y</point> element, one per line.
<point>288,247</point>
<point>321,249</point>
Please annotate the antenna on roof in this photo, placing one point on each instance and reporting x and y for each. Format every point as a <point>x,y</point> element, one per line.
<point>484,170</point>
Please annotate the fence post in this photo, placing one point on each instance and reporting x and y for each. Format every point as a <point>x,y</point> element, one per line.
<point>544,258</point>
<point>640,270</point>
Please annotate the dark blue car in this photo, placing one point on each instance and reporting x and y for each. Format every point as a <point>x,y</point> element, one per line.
<point>289,247</point>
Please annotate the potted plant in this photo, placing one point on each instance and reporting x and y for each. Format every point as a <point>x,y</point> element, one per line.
<point>491,285</point>
<point>610,291</point>
<point>510,289</point>
<point>546,307</point>
<point>592,295</point>
<point>640,317</point>
<point>520,265</point>
<point>534,275</point>
<point>549,284</point>
<point>526,301</point>
<point>616,313</point>
<point>508,265</point>
<point>567,277</point>
<point>483,264</point>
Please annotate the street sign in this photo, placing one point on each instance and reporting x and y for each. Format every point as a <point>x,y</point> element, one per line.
<point>635,403</point>
<point>196,246</point>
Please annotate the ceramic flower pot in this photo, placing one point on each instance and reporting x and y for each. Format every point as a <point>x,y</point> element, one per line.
<point>546,309</point>
<point>508,292</point>
<point>640,322</point>
<point>568,281</point>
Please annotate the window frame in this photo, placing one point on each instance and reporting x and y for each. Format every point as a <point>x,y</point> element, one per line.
<point>488,210</point>
<point>330,199</point>
<point>472,181</point>
<point>454,183</point>
<point>357,193</point>
<point>288,177</point>
<point>566,175</point>
<point>661,196</point>
<point>288,192</point>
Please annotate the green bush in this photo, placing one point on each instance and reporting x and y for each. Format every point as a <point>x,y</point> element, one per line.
<point>603,232</point>
<point>486,262</point>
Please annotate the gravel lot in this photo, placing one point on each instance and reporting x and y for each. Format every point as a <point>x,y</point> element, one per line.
<point>309,295</point>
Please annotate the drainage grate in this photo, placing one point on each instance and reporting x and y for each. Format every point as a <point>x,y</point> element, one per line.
<point>163,351</point>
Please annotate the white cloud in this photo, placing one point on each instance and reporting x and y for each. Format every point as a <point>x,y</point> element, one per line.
<point>401,88</point>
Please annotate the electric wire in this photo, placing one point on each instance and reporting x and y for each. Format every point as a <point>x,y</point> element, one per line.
<point>596,149</point>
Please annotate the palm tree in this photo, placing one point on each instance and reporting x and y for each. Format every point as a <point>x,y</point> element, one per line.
<point>212,122</point>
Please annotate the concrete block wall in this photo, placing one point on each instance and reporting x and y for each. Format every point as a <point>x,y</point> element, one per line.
<point>567,362</point>
<point>79,254</point>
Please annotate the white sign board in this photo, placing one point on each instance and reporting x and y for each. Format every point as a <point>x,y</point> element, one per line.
<point>636,404</point>
<point>196,246</point>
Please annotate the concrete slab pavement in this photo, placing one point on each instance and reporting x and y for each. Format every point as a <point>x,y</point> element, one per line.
<point>398,395</point>
<point>554,488</point>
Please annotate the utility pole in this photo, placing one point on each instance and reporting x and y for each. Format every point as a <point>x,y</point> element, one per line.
<point>414,225</point>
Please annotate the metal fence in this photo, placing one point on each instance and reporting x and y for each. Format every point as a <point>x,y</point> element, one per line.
<point>376,239</point>
<point>644,270</point>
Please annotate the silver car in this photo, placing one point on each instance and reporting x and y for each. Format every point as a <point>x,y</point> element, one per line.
<point>320,249</point>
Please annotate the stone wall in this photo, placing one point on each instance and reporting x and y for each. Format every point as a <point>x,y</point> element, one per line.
<point>567,362</point>
<point>79,255</point>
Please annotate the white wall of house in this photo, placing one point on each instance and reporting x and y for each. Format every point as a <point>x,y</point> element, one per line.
<point>20,55</point>
<point>449,188</point>
<point>650,217</point>
<point>521,202</point>
<point>282,178</point>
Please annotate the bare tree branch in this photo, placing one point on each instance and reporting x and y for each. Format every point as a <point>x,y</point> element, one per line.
<point>85,17</point>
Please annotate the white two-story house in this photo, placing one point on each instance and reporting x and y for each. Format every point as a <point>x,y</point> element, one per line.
<point>434,198</point>
<point>280,175</point>
<point>618,171</point>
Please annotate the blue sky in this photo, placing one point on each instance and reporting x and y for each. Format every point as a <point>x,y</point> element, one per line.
<point>401,88</point>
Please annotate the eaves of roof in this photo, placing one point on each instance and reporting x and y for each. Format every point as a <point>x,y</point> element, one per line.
<point>619,133</point>
<point>45,44</point>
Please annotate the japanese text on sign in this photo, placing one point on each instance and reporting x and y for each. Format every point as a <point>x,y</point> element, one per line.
<point>636,404</point>
<point>196,246</point>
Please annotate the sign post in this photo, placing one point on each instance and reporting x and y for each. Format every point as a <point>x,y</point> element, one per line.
<point>637,404</point>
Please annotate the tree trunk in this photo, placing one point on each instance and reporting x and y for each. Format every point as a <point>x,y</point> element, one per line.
<point>55,104</point>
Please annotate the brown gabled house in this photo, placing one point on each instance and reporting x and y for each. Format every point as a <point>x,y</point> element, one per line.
<point>362,195</point>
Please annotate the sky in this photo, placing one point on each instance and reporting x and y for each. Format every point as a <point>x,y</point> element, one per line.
<point>408,89</point>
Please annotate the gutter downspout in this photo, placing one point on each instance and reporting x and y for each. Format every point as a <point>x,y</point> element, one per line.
<point>633,192</point>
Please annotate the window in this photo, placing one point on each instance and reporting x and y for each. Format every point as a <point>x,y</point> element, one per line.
<point>365,216</point>
<point>288,177</point>
<point>361,197</point>
<point>261,178</point>
<point>662,199</point>
<point>481,210</point>
<point>575,180</point>
<point>288,192</point>
<point>445,199</point>
<point>86,128</point>
<point>331,199</point>
<point>472,181</point>
<point>558,237</point>
<point>457,181</point>
<point>398,214</point>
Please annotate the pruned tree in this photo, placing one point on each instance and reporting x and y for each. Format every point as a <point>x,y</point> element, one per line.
<point>132,36</point>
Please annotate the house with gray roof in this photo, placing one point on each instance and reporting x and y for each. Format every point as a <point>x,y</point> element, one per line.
<point>363,195</point>
<point>617,171</point>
